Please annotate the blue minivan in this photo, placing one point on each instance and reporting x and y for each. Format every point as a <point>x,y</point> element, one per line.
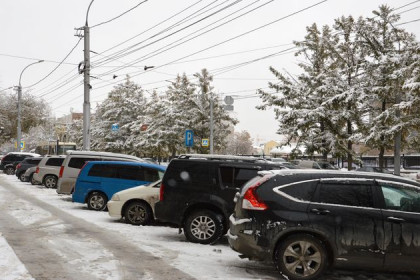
<point>99,180</point>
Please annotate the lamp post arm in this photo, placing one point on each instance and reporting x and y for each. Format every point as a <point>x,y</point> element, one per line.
<point>21,73</point>
<point>87,12</point>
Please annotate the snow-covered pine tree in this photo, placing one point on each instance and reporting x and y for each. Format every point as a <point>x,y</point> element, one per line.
<point>124,106</point>
<point>300,103</point>
<point>200,115</point>
<point>386,45</point>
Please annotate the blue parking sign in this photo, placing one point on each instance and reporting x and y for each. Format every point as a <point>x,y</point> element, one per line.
<point>189,138</point>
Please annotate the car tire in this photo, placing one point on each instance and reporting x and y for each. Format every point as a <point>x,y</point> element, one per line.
<point>32,179</point>
<point>204,227</point>
<point>297,265</point>
<point>9,171</point>
<point>21,176</point>
<point>50,182</point>
<point>138,213</point>
<point>97,201</point>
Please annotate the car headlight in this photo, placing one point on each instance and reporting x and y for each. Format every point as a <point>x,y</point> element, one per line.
<point>115,197</point>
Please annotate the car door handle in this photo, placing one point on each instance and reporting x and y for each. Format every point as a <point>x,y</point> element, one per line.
<point>395,220</point>
<point>320,211</point>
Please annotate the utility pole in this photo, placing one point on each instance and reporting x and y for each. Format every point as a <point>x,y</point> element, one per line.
<point>86,82</point>
<point>211,124</point>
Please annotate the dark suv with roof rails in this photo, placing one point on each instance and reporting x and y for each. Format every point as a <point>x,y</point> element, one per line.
<point>197,192</point>
<point>307,221</point>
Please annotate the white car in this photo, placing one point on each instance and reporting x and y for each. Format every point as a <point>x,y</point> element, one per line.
<point>136,205</point>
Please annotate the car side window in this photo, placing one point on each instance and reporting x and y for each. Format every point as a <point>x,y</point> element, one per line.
<point>236,177</point>
<point>193,174</point>
<point>346,194</point>
<point>54,161</point>
<point>402,198</point>
<point>103,170</point>
<point>128,172</point>
<point>10,158</point>
<point>243,175</point>
<point>150,174</point>
<point>78,162</point>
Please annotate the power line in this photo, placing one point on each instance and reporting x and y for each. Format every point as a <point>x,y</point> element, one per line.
<point>129,10</point>
<point>240,35</point>
<point>318,3</point>
<point>169,47</point>
<point>171,34</point>
<point>407,22</point>
<point>32,58</point>
<point>55,68</point>
<point>194,14</point>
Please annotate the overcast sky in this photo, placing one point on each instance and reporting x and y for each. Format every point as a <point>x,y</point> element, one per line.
<point>44,29</point>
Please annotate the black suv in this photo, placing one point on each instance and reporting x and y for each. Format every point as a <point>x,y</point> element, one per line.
<point>197,192</point>
<point>13,158</point>
<point>306,221</point>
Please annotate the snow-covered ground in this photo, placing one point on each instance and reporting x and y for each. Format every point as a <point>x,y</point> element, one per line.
<point>200,261</point>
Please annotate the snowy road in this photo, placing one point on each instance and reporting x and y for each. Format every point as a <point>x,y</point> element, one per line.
<point>49,237</point>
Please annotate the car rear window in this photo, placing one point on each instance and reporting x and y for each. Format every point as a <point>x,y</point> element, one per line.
<point>54,161</point>
<point>191,173</point>
<point>78,162</point>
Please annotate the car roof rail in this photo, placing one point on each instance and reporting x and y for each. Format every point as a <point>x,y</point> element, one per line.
<point>221,157</point>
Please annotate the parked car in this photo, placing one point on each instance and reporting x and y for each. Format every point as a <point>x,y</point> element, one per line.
<point>74,161</point>
<point>48,170</point>
<point>29,175</point>
<point>197,192</point>
<point>24,165</point>
<point>306,221</point>
<point>98,181</point>
<point>135,205</point>
<point>312,164</point>
<point>15,157</point>
<point>373,169</point>
<point>10,168</point>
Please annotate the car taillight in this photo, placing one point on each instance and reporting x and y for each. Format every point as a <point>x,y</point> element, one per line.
<point>60,175</point>
<point>37,170</point>
<point>18,166</point>
<point>251,201</point>
<point>161,190</point>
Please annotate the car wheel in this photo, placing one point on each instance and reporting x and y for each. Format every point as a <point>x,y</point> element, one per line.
<point>32,179</point>
<point>138,213</point>
<point>22,177</point>
<point>50,182</point>
<point>301,256</point>
<point>10,171</point>
<point>97,201</point>
<point>204,227</point>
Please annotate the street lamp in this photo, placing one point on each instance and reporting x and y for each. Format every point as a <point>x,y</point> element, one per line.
<point>19,89</point>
